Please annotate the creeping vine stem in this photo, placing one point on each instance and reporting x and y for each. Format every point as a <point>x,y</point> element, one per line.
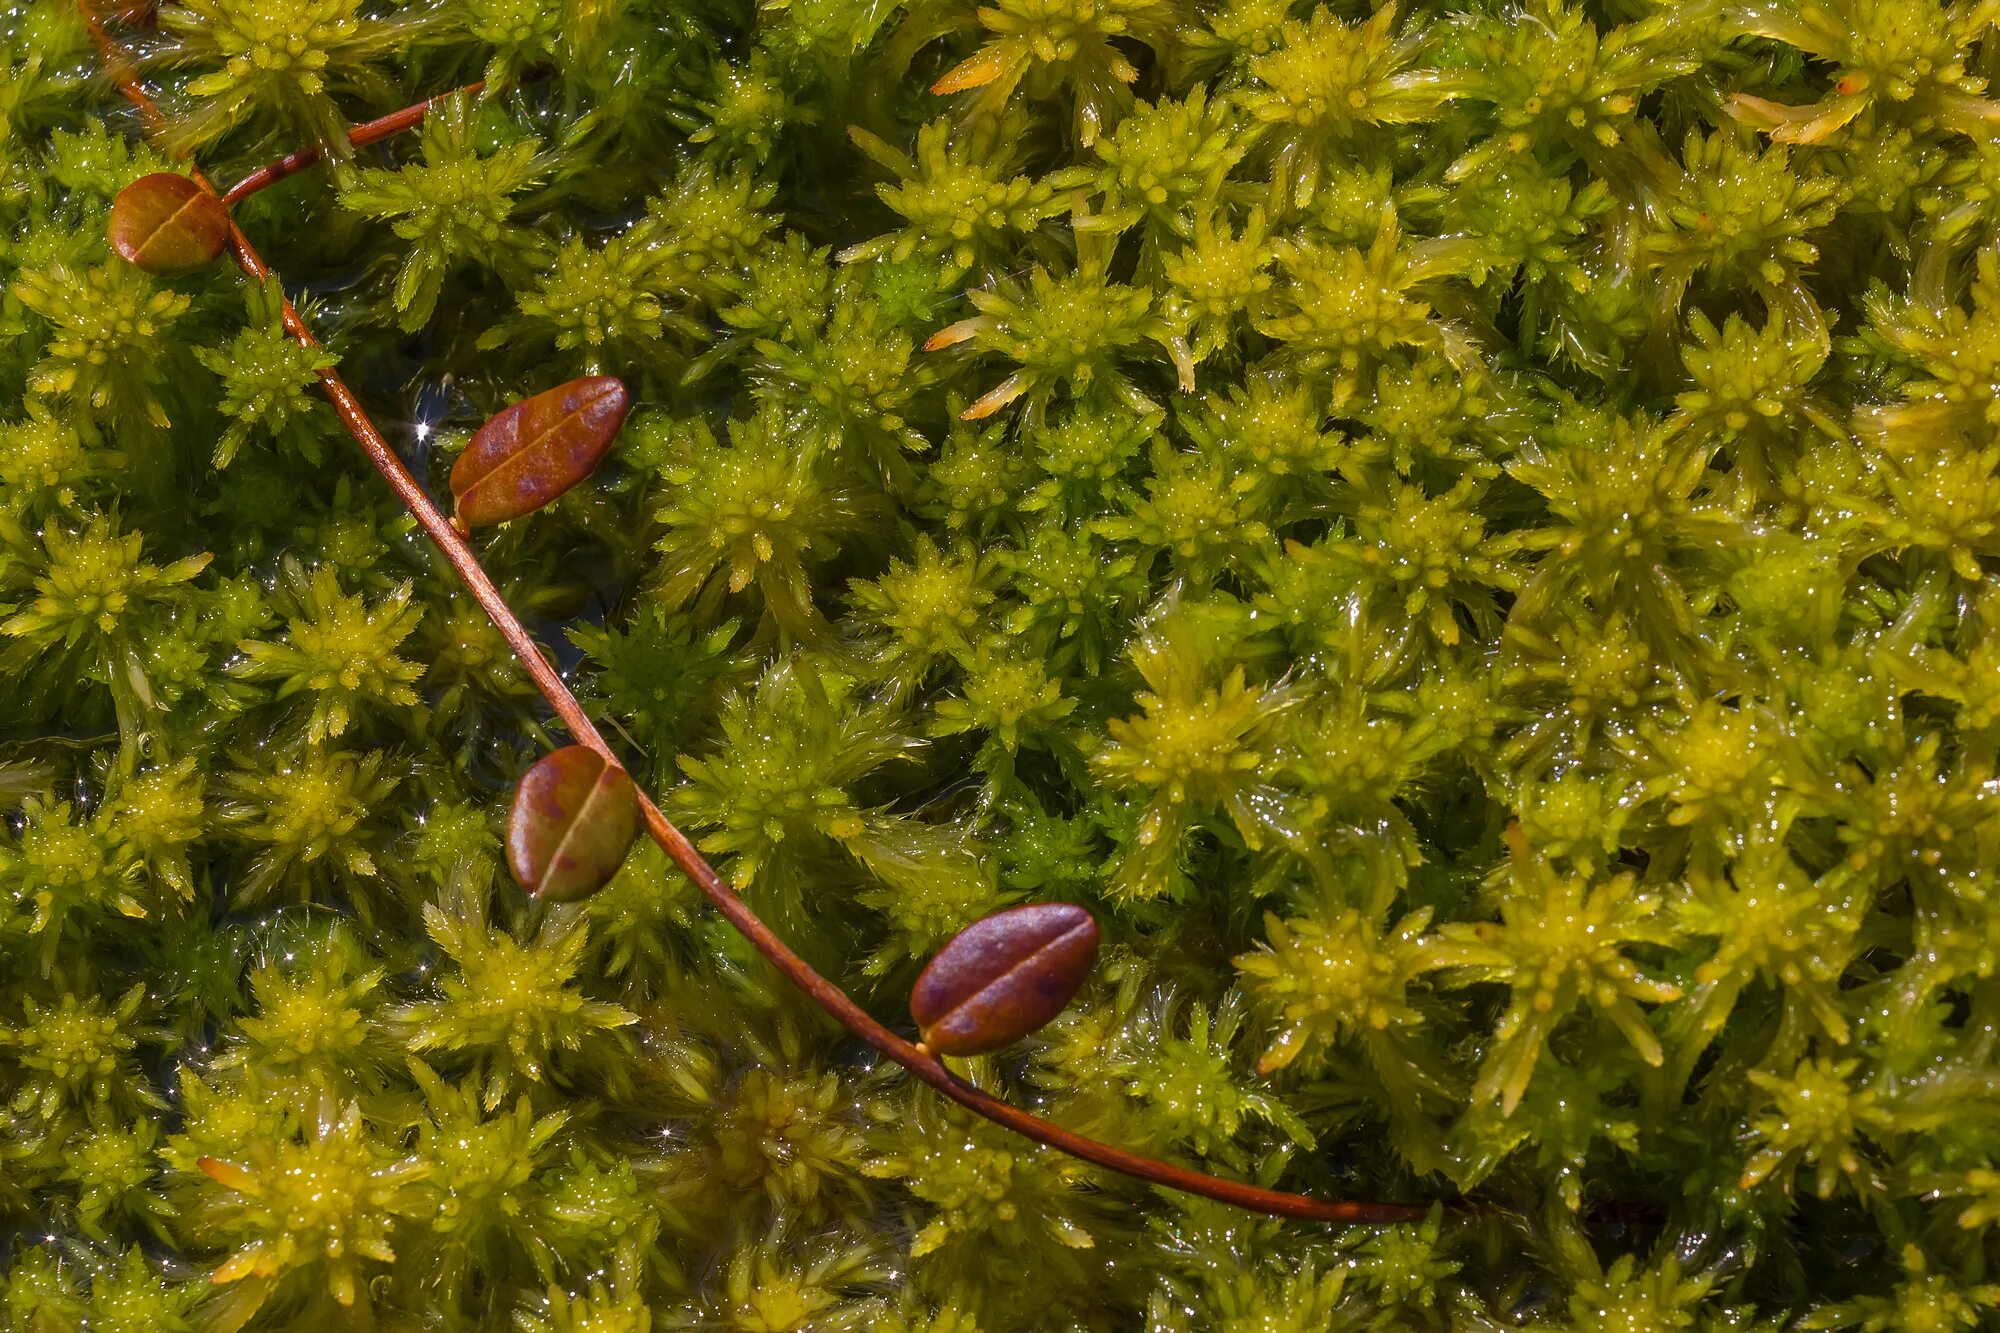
<point>459,553</point>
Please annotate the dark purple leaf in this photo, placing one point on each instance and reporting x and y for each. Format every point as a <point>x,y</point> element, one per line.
<point>1001,978</point>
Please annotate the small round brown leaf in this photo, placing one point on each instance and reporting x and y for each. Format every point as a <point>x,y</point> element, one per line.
<point>574,818</point>
<point>167,224</point>
<point>1001,978</point>
<point>532,452</point>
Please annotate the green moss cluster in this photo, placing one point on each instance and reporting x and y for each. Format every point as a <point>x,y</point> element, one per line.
<point>1467,534</point>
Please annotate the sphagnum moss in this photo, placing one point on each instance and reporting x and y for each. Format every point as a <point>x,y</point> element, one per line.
<point>1351,432</point>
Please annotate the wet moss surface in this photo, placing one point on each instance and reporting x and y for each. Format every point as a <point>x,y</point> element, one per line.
<point>1460,533</point>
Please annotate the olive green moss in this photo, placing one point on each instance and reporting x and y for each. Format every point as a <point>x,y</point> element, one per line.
<point>1466,534</point>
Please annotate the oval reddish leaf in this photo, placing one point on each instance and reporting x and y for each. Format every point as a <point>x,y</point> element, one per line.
<point>574,818</point>
<point>535,450</point>
<point>1001,978</point>
<point>167,224</point>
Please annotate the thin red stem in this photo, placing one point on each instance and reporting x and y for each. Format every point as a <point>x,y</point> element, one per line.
<point>683,853</point>
<point>359,137</point>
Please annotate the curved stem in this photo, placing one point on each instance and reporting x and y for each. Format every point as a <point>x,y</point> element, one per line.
<point>678,848</point>
<point>359,137</point>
